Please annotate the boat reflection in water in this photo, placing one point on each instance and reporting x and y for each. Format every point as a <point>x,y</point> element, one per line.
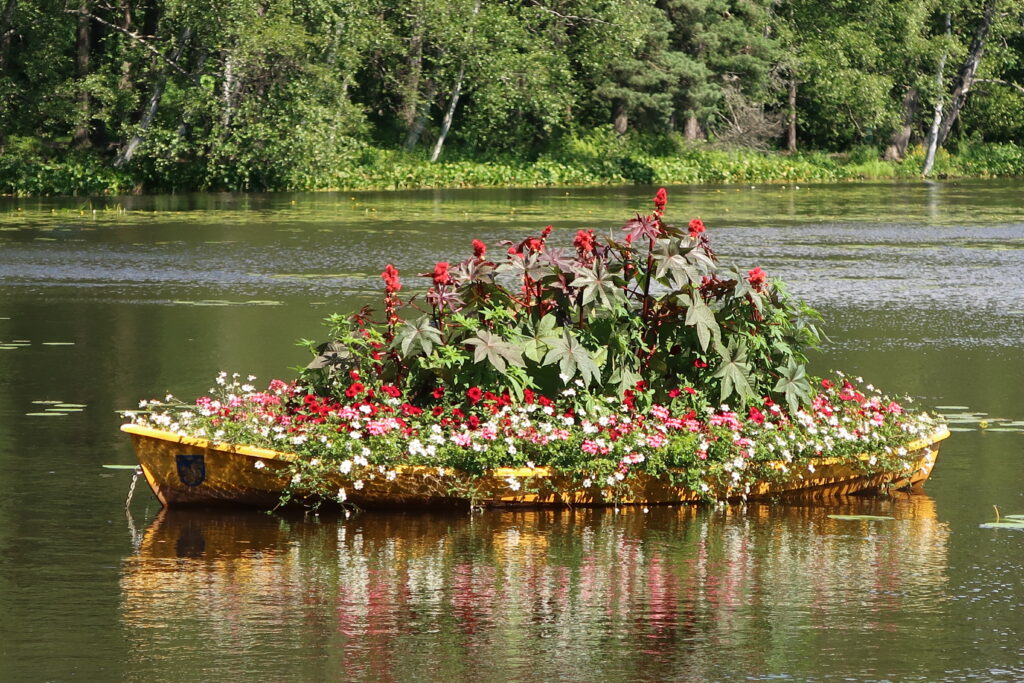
<point>684,592</point>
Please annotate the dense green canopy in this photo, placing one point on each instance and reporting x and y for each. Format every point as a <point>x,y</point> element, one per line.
<point>252,94</point>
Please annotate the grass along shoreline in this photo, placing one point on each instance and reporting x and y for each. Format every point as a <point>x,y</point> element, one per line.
<point>77,174</point>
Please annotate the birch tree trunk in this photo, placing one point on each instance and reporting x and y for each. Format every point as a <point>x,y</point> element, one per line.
<point>128,151</point>
<point>968,71</point>
<point>446,122</point>
<point>933,133</point>
<point>791,122</point>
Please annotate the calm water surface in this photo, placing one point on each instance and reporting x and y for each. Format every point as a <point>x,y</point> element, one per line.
<point>106,302</point>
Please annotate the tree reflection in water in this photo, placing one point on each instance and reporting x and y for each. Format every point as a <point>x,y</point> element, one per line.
<point>689,592</point>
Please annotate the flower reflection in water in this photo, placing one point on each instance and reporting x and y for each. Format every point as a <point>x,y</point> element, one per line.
<point>688,592</point>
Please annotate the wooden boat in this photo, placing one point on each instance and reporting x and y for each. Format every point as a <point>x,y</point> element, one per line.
<point>191,471</point>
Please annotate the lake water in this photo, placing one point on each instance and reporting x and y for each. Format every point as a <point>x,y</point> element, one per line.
<point>106,302</point>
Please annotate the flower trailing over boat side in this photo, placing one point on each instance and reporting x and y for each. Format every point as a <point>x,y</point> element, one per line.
<point>616,355</point>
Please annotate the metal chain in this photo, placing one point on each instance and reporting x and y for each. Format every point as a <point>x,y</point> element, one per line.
<point>131,489</point>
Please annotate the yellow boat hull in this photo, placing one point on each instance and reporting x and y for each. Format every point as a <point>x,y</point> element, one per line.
<point>190,471</point>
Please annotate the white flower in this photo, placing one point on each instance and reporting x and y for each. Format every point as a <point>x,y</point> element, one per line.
<point>247,388</point>
<point>810,467</point>
<point>259,464</point>
<point>564,377</point>
<point>391,475</point>
<point>610,480</point>
<point>513,483</point>
<point>587,483</point>
<point>314,462</point>
<point>356,435</point>
<point>250,378</point>
<point>358,485</point>
<point>297,478</point>
<point>345,467</point>
<point>342,496</point>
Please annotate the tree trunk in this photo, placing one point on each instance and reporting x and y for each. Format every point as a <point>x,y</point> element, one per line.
<point>128,151</point>
<point>620,117</point>
<point>449,114</point>
<point>933,133</point>
<point>227,93</point>
<point>83,46</point>
<point>422,115</point>
<point>6,30</point>
<point>691,130</point>
<point>410,108</point>
<point>446,122</point>
<point>968,70</point>
<point>791,122</point>
<point>900,140</point>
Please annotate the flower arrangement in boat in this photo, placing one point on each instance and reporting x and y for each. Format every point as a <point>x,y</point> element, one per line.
<point>637,351</point>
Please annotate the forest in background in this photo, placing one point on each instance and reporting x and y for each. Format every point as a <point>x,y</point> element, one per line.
<point>110,96</point>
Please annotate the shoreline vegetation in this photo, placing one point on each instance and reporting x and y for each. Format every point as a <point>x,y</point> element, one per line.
<point>83,174</point>
<point>171,96</point>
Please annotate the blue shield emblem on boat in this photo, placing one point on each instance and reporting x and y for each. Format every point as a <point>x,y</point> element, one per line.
<point>191,469</point>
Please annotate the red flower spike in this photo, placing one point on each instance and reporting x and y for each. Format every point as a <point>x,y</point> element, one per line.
<point>440,274</point>
<point>660,200</point>
<point>757,278</point>
<point>479,249</point>
<point>696,227</point>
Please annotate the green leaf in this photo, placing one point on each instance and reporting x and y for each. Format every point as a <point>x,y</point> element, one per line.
<point>495,350</point>
<point>573,357</point>
<point>537,342</point>
<point>419,335</point>
<point>598,282</point>
<point>734,371</point>
<point>794,383</point>
<point>700,316</point>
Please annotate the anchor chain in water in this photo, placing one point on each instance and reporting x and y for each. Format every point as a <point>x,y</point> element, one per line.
<point>131,489</point>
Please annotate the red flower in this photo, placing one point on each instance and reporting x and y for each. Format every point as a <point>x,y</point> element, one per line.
<point>696,227</point>
<point>479,249</point>
<point>440,275</point>
<point>528,396</point>
<point>354,374</point>
<point>437,411</point>
<point>660,200</point>
<point>391,390</point>
<point>640,385</point>
<point>474,394</point>
<point>354,390</point>
<point>699,363</point>
<point>756,415</point>
<point>584,241</point>
<point>757,278</point>
<point>674,393</point>
<point>438,392</point>
<point>534,244</point>
<point>826,384</point>
<point>546,231</point>
<point>544,401</point>
<point>690,390</point>
<point>474,421</point>
<point>391,281</point>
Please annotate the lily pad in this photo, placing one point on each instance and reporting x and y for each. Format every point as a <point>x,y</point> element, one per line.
<point>870,518</point>
<point>58,343</point>
<point>119,467</point>
<point>1003,525</point>
<point>46,414</point>
<point>1016,518</point>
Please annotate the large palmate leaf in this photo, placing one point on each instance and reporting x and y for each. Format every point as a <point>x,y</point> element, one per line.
<point>734,371</point>
<point>419,335</point>
<point>573,357</point>
<point>495,350</point>
<point>671,260</point>
<point>793,381</point>
<point>537,341</point>
<point>700,316</point>
<point>598,282</point>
